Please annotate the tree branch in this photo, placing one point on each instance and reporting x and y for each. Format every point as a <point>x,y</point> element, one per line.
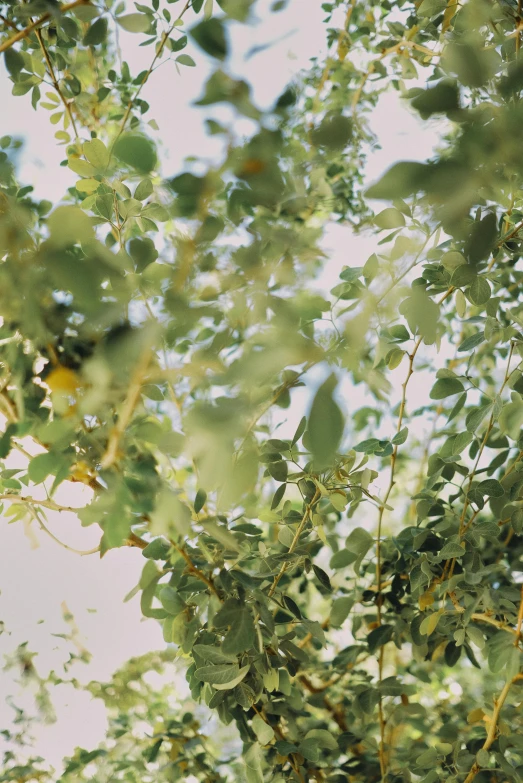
<point>21,34</point>
<point>44,503</point>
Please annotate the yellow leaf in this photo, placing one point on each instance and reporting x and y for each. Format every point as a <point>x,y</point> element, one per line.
<point>426,600</point>
<point>475,716</point>
<point>87,185</point>
<point>62,379</point>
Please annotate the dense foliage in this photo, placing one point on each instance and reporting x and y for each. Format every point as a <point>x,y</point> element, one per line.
<point>347,594</point>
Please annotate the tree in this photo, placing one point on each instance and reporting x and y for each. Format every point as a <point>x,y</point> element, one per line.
<point>327,585</point>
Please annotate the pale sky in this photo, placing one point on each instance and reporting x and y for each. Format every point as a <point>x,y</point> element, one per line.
<point>35,581</point>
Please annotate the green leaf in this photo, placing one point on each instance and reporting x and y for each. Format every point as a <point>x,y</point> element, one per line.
<point>379,637</point>
<point>185,59</point>
<point>511,418</point>
<point>451,550</point>
<point>390,218</point>
<point>96,153</point>
<point>322,577</point>
<point>213,654</point>
<point>400,181</point>
<point>200,500</point>
<point>469,343</point>
<point>97,33</point>
<point>340,610</point>
<point>222,676</point>
<point>134,23</point>
<point>14,61</point>
<point>143,252</point>
<point>334,132</point>
<point>136,151</point>
<point>400,437</point>
<point>264,733</point>
<point>222,534</point>
<point>210,36</point>
<point>359,542</point>
<point>279,470</point>
<point>430,8</point>
<point>143,190</point>
<point>171,601</point>
<point>342,559</point>
<point>326,423</point>
<point>302,426</point>
<point>422,314</point>
<point>446,387</point>
<point>491,487</point>
<point>278,496</point>
<point>69,225</point>
<point>479,292</point>
<point>41,466</point>
<point>292,606</point>
<point>241,634</point>
<point>253,759</point>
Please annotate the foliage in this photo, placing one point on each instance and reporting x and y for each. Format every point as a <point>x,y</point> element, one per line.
<point>324,583</point>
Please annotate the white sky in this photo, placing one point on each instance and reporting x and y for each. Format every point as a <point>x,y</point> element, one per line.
<point>35,581</point>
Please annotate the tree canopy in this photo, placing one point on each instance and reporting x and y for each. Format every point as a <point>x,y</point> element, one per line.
<point>344,595</point>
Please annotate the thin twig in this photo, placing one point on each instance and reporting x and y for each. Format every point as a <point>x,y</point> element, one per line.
<point>8,23</point>
<point>46,530</point>
<point>196,571</point>
<point>54,80</point>
<point>393,459</point>
<point>294,542</point>
<point>132,101</point>
<point>21,34</point>
<point>44,503</point>
<point>125,414</point>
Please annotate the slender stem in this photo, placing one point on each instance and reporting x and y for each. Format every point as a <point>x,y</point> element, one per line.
<point>21,34</point>
<point>161,47</point>
<point>8,23</point>
<point>294,542</point>
<point>393,460</point>
<point>499,702</point>
<point>54,80</point>
<point>44,503</point>
<point>46,530</point>
<point>125,414</point>
<point>196,571</point>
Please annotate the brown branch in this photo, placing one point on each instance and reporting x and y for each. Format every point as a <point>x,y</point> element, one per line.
<point>8,23</point>
<point>21,34</point>
<point>196,571</point>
